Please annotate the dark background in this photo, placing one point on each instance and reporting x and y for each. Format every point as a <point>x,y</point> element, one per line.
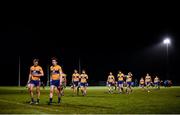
<point>104,41</point>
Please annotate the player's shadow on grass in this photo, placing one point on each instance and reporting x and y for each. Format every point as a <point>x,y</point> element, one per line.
<point>71,105</point>
<point>26,102</point>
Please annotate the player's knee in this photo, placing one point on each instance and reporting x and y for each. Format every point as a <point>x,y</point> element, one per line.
<point>30,90</point>
<point>38,91</point>
<point>51,91</point>
<point>59,89</point>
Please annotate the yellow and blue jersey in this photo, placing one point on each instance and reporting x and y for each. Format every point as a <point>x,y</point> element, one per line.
<point>75,77</point>
<point>142,81</point>
<point>120,77</point>
<point>156,80</point>
<point>128,78</point>
<point>34,71</point>
<point>148,79</point>
<point>83,78</point>
<point>64,77</point>
<point>111,78</point>
<point>56,71</point>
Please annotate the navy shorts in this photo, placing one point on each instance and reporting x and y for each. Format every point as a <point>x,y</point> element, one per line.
<point>120,82</point>
<point>35,82</point>
<point>129,83</point>
<point>156,83</point>
<point>55,83</point>
<point>83,84</point>
<point>148,83</point>
<point>110,83</point>
<point>75,83</point>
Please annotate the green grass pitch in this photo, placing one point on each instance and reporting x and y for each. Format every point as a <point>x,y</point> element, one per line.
<point>165,100</point>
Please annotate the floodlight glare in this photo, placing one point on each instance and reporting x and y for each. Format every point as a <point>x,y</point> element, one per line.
<point>167,41</point>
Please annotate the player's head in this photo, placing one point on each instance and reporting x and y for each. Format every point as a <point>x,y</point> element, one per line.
<point>147,74</point>
<point>129,73</point>
<point>120,72</point>
<point>54,61</point>
<point>35,62</point>
<point>142,78</point>
<point>75,71</point>
<point>83,71</point>
<point>110,73</point>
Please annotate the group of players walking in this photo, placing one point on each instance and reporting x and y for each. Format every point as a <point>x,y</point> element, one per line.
<point>57,81</point>
<point>79,81</point>
<point>125,81</point>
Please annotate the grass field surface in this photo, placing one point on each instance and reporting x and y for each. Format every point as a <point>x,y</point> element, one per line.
<point>166,100</point>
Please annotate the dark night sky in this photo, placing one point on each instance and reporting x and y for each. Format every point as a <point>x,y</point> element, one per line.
<point>103,41</point>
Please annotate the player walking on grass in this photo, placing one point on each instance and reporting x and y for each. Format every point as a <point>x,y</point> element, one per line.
<point>120,77</point>
<point>148,81</point>
<point>110,82</point>
<point>75,82</point>
<point>157,82</point>
<point>63,86</point>
<point>128,82</point>
<point>34,80</point>
<point>141,83</point>
<point>56,80</point>
<point>83,82</point>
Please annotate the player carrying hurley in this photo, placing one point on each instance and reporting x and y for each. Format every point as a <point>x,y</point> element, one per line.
<point>56,80</point>
<point>141,83</point>
<point>148,81</point>
<point>83,82</point>
<point>128,82</point>
<point>75,82</point>
<point>63,85</point>
<point>120,77</point>
<point>110,82</point>
<point>34,80</point>
<point>157,82</point>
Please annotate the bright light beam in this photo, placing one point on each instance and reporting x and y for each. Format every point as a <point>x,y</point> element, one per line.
<point>167,41</point>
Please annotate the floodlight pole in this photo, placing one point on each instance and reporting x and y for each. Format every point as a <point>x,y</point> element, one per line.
<point>48,77</point>
<point>19,72</point>
<point>167,42</point>
<point>79,65</point>
<point>167,60</point>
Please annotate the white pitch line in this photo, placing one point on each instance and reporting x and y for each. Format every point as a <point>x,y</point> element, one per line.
<point>12,102</point>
